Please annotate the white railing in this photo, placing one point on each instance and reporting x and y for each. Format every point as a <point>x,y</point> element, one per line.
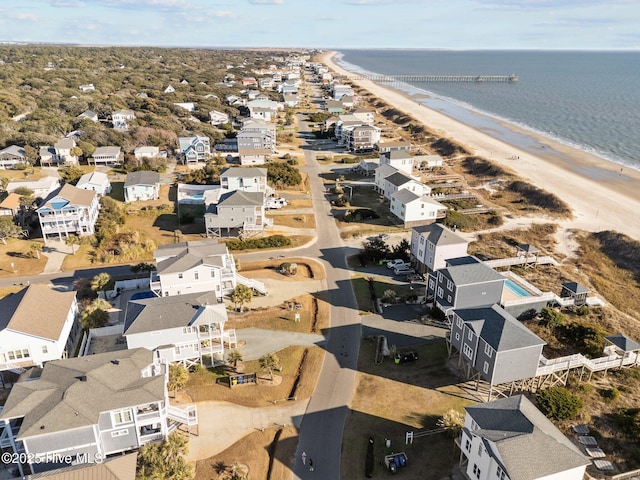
<point>547,366</point>
<point>230,338</point>
<point>251,283</point>
<point>187,415</point>
<point>546,296</point>
<point>521,260</point>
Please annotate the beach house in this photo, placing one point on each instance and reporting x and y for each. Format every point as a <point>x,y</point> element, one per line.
<point>194,149</point>
<point>120,118</point>
<point>432,245</point>
<point>181,328</point>
<point>68,210</point>
<point>110,155</point>
<point>27,338</point>
<point>12,156</point>
<point>401,160</point>
<point>83,409</point>
<point>237,210</point>
<point>141,185</point>
<point>414,209</point>
<point>40,188</point>
<point>510,438</point>
<point>198,266</point>
<point>251,179</point>
<point>96,181</point>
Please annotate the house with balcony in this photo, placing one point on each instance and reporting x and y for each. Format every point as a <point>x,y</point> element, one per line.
<point>107,156</point>
<point>30,338</point>
<point>194,149</point>
<point>89,115</point>
<point>10,206</point>
<point>96,181</point>
<point>361,138</point>
<point>141,185</point>
<point>68,210</point>
<point>466,282</point>
<point>413,209</point>
<point>257,135</point>
<point>120,118</point>
<point>181,328</point>
<point>401,181</point>
<point>237,210</point>
<point>146,152</point>
<point>251,179</point>
<point>84,409</point>
<point>390,146</point>
<point>432,245</point>
<point>380,173</point>
<point>367,116</point>
<point>59,153</point>
<point>509,439</point>
<point>200,266</point>
<point>493,345</point>
<point>12,156</point>
<point>401,160</point>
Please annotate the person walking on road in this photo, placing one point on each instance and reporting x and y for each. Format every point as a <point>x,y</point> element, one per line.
<point>304,458</point>
<point>310,465</point>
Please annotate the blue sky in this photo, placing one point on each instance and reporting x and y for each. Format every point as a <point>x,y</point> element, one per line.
<point>451,24</point>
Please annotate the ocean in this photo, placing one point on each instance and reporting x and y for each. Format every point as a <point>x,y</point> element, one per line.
<point>585,99</point>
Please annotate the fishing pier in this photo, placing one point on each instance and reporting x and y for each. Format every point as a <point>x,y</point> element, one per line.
<point>438,78</point>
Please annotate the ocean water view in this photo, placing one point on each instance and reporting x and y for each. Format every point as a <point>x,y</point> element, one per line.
<point>585,99</point>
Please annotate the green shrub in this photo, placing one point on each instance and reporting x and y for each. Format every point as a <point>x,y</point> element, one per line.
<point>587,339</point>
<point>552,318</point>
<point>360,215</point>
<point>272,241</point>
<point>582,310</point>
<point>628,420</point>
<point>558,403</point>
<point>458,220</point>
<point>610,394</point>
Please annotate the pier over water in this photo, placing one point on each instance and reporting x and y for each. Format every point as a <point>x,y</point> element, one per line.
<point>437,78</point>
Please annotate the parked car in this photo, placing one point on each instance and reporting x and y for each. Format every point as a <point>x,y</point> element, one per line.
<point>277,202</point>
<point>404,271</point>
<point>408,357</point>
<point>383,236</point>
<point>396,263</point>
<point>416,277</point>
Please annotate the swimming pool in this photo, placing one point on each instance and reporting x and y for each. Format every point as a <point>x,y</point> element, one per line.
<point>516,289</point>
<point>139,295</point>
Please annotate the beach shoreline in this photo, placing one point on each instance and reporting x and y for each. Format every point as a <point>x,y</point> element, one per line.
<point>603,195</point>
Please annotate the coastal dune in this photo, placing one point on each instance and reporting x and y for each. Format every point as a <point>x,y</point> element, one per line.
<point>602,195</point>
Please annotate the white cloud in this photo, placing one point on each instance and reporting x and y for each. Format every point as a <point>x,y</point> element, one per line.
<point>267,2</point>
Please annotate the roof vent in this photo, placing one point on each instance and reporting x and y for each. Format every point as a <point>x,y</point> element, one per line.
<point>41,427</point>
<point>115,361</point>
<point>82,378</point>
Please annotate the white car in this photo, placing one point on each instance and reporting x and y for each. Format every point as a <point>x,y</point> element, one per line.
<point>396,263</point>
<point>403,271</point>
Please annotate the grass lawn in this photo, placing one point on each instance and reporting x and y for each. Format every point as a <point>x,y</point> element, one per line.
<point>298,203</point>
<point>294,220</point>
<point>392,399</point>
<point>17,252</point>
<point>363,293</point>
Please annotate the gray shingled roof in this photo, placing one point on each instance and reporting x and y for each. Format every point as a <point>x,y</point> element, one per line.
<point>240,198</point>
<point>198,248</point>
<point>470,273</point>
<point>249,172</point>
<point>405,196</point>
<point>529,445</point>
<point>398,179</point>
<point>397,154</point>
<point>575,287</point>
<point>71,393</point>
<point>499,328</point>
<point>142,177</point>
<point>439,234</point>
<point>623,342</point>
<point>75,196</point>
<point>161,313</point>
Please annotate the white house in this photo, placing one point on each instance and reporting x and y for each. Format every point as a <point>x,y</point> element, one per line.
<point>380,173</point>
<point>415,209</point>
<point>510,439</point>
<point>361,138</point>
<point>68,210</point>
<point>11,156</point>
<point>400,181</point>
<point>365,115</point>
<point>250,179</point>
<point>180,328</point>
<point>40,188</point>
<point>169,89</point>
<point>432,245</point>
<point>399,159</point>
<point>237,210</point>
<point>89,115</point>
<point>96,181</point>
<point>60,153</point>
<point>110,155</point>
<point>218,118</point>
<point>424,162</point>
<point>200,266</point>
<point>194,149</point>
<point>82,410</point>
<point>141,185</point>
<point>146,152</point>
<point>291,99</point>
<point>28,338</point>
<point>119,118</point>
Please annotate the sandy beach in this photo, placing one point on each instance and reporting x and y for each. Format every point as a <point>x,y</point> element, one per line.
<point>602,196</point>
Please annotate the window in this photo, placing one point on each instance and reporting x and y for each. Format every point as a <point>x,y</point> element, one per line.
<point>213,274</point>
<point>45,350</point>
<point>180,275</point>
<point>119,433</point>
<point>485,369</point>
<point>457,336</point>
<point>421,240</point>
<point>195,275</point>
<point>449,298</point>
<point>459,322</point>
<point>469,334</point>
<point>449,285</point>
<point>431,246</point>
<point>177,349</point>
<point>122,416</point>
<point>476,471</point>
<point>500,473</point>
<point>188,330</point>
<point>467,445</point>
<point>467,350</point>
<point>480,449</point>
<point>488,351</point>
<point>440,292</point>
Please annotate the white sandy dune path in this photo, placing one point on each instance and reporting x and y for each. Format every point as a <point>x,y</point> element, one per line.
<point>611,204</point>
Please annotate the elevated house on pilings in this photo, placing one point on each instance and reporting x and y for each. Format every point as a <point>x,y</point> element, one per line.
<point>496,350</point>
